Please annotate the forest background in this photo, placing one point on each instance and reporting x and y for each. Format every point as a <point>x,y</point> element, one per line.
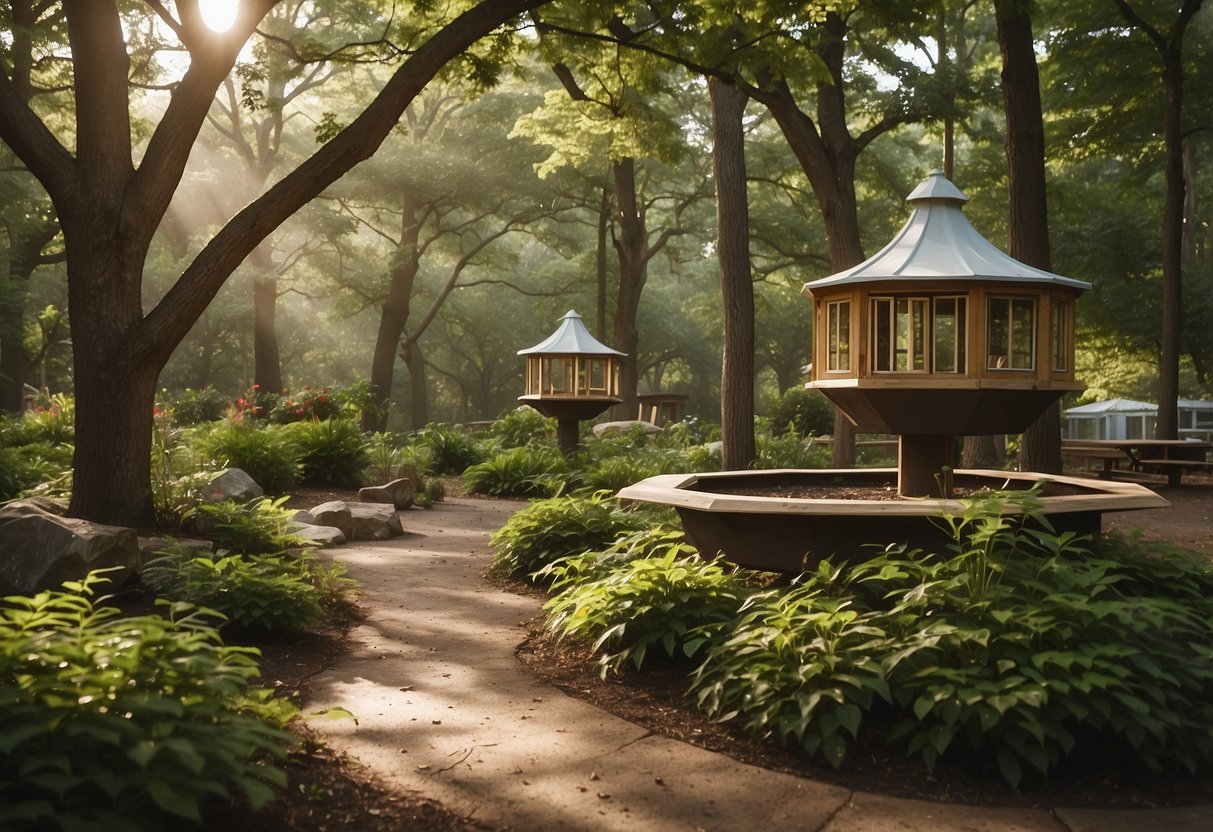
<point>566,161</point>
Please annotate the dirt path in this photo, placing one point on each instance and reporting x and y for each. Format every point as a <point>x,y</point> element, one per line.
<point>1187,523</point>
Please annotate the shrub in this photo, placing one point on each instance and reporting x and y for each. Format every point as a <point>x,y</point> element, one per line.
<point>789,451</point>
<point>193,407</point>
<point>119,723</point>
<point>522,426</point>
<point>331,452</point>
<point>267,454</point>
<point>1015,647</point>
<point>801,412</point>
<point>667,598</point>
<point>304,405</point>
<point>261,527</point>
<point>452,448</point>
<point>52,421</point>
<point>612,473</point>
<point>518,472</point>
<point>281,593</point>
<point>554,528</point>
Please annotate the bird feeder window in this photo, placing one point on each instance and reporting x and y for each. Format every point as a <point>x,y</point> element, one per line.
<point>558,375</point>
<point>1062,329</point>
<point>592,376</point>
<point>948,335</point>
<point>1011,333</point>
<point>918,335</point>
<point>838,326</point>
<point>899,335</point>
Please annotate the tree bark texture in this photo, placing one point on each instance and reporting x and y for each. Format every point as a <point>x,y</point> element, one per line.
<point>827,153</point>
<point>1170,52</point>
<point>1028,221</point>
<point>631,244</point>
<point>402,275</point>
<point>24,255</point>
<point>736,280</point>
<point>110,210</point>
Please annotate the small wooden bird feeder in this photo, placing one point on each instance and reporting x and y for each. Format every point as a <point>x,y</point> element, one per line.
<point>571,376</point>
<point>940,335</point>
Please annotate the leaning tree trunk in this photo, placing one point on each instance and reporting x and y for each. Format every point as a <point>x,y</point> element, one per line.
<point>1028,222</point>
<point>736,281</point>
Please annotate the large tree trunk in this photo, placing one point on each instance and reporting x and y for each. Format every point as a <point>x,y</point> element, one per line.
<point>109,211</point>
<point>267,367</point>
<point>736,281</point>
<point>1170,51</point>
<point>23,257</point>
<point>418,392</point>
<point>405,265</point>
<point>827,153</point>
<point>631,245</point>
<point>600,266</point>
<point>1028,222</point>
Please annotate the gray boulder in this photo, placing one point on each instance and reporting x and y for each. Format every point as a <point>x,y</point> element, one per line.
<point>320,535</point>
<point>397,492</point>
<point>232,484</point>
<point>603,428</point>
<point>335,513</point>
<point>40,550</point>
<point>374,521</point>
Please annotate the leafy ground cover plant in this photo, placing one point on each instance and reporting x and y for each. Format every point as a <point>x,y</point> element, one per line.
<point>268,454</point>
<point>260,527</point>
<point>452,448</point>
<point>122,723</point>
<point>331,452</point>
<point>650,590</point>
<point>270,593</point>
<point>558,527</point>
<point>520,427</point>
<point>194,407</point>
<point>519,472</point>
<point>1015,648</point>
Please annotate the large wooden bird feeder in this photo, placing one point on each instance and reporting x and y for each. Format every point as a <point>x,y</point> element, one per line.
<point>571,376</point>
<point>939,335</point>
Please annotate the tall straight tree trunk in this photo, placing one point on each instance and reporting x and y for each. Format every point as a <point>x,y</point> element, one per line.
<point>1170,52</point>
<point>1028,222</point>
<point>25,249</point>
<point>406,263</point>
<point>600,265</point>
<point>267,366</point>
<point>736,281</point>
<point>418,392</point>
<point>631,245</point>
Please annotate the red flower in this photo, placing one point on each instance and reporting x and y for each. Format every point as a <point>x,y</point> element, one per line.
<point>299,411</point>
<point>256,386</point>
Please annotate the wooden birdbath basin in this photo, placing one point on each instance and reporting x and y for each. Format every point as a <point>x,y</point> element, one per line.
<point>787,520</point>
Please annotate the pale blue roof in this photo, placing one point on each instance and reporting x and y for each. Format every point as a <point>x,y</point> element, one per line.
<point>571,337</point>
<point>1112,406</point>
<point>939,243</point>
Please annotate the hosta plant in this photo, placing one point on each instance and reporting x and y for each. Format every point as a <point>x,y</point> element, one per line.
<point>282,593</point>
<point>672,601</point>
<point>550,529</point>
<point>1014,647</point>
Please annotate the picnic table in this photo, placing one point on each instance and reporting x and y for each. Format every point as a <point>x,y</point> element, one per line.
<point>1170,457</point>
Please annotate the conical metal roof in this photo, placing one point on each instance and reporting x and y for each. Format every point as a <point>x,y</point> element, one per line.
<point>571,337</point>
<point>938,243</point>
